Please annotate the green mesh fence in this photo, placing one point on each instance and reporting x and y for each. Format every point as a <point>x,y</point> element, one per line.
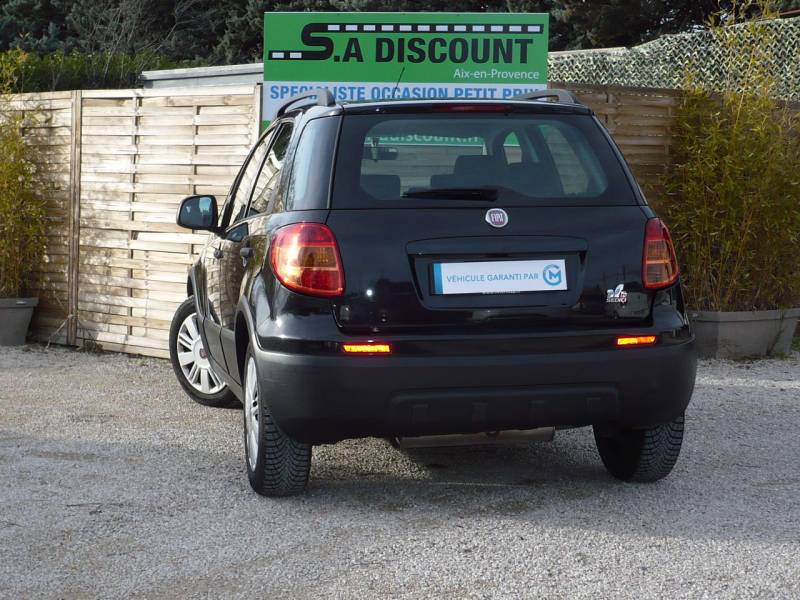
<point>717,61</point>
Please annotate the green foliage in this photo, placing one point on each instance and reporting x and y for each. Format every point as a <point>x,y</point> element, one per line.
<point>734,188</point>
<point>22,210</point>
<point>76,70</point>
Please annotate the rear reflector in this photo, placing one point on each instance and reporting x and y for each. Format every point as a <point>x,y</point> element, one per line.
<point>367,348</point>
<point>639,340</point>
<point>305,258</point>
<point>659,264</point>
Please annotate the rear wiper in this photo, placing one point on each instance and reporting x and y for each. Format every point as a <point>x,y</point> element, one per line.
<point>486,194</point>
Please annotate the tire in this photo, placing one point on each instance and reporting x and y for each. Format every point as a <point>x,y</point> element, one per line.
<point>185,345</point>
<point>276,464</point>
<point>642,455</point>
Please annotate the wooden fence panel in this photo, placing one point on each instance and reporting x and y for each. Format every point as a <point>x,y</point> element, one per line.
<point>142,152</point>
<point>640,121</point>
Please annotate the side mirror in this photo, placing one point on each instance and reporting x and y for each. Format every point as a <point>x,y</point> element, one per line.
<point>198,213</point>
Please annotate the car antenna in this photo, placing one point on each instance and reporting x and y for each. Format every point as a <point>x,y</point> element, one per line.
<point>397,85</point>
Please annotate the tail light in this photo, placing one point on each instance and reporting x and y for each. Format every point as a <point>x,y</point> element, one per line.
<point>659,263</point>
<point>305,258</point>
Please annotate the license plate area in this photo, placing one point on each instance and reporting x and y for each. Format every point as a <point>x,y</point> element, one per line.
<point>498,277</point>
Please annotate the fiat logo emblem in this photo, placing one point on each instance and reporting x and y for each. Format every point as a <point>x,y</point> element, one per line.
<point>496,217</point>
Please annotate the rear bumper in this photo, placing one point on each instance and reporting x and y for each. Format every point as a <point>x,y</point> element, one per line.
<point>320,399</point>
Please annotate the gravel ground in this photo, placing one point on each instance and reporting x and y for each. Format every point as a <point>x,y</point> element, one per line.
<point>113,484</point>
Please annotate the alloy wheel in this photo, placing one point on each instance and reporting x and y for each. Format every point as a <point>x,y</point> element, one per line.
<point>193,358</point>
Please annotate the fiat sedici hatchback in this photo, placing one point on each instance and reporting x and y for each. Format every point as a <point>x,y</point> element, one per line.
<point>429,270</point>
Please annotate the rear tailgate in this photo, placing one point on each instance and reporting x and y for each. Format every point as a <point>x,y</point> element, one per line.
<point>415,190</point>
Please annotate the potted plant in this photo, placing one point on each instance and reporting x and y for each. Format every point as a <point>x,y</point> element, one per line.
<point>733,202</point>
<point>22,227</point>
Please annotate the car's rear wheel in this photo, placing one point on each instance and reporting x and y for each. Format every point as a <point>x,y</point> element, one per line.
<point>643,455</point>
<point>190,360</point>
<point>277,465</point>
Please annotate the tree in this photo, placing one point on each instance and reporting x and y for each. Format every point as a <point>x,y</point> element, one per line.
<point>35,25</point>
<point>230,31</point>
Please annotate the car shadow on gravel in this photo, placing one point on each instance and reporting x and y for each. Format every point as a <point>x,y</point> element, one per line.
<point>512,465</point>
<point>483,479</point>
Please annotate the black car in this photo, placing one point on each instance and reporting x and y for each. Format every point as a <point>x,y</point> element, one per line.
<point>430,268</point>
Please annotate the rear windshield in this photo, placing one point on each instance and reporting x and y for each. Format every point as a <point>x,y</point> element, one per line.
<point>396,160</point>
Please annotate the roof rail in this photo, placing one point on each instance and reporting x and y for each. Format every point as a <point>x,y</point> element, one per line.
<point>322,96</point>
<point>563,96</point>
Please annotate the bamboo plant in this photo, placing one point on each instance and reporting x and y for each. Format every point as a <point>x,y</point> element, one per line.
<point>22,206</point>
<point>733,188</point>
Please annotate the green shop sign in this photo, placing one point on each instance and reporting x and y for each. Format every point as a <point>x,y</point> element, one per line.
<point>376,56</point>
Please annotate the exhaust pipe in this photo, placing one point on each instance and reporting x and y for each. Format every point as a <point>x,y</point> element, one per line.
<point>492,438</point>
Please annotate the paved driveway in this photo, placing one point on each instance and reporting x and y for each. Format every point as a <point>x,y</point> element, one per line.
<point>113,484</point>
